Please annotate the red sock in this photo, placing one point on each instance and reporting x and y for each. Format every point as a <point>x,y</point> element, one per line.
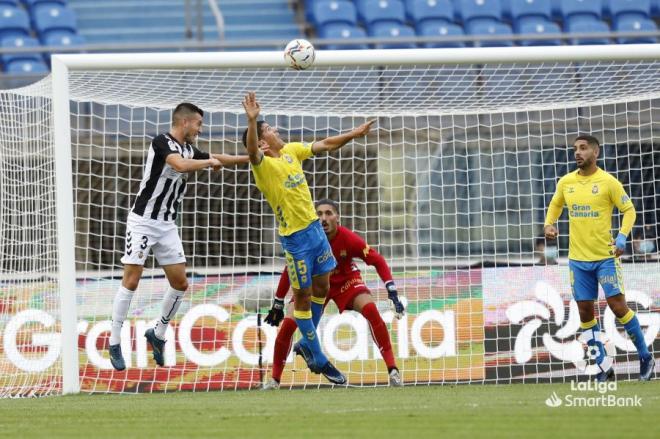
<point>379,333</point>
<point>283,346</point>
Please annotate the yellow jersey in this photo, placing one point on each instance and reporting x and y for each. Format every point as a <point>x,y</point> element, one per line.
<point>284,185</point>
<point>590,201</point>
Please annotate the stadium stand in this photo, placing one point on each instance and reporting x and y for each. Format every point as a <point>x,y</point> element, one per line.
<point>14,21</point>
<point>33,24</point>
<point>534,11</point>
<point>346,32</point>
<point>433,28</point>
<point>392,30</point>
<point>486,18</point>
<point>71,23</point>
<point>127,21</point>
<point>635,24</point>
<point>19,42</point>
<point>52,17</point>
<point>423,12</point>
<point>539,27</point>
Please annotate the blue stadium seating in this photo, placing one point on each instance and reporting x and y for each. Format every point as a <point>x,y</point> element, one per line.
<point>479,10</point>
<point>16,42</point>
<point>32,3</point>
<point>506,9</point>
<point>630,8</point>
<point>343,31</point>
<point>585,25</point>
<point>655,8</point>
<point>13,22</point>
<point>491,28</point>
<point>391,30</point>
<point>540,27</point>
<point>13,3</point>
<point>635,24</point>
<point>63,39</point>
<point>383,11</point>
<point>420,11</point>
<point>433,28</point>
<point>334,12</point>
<point>51,18</point>
<point>26,67</point>
<point>530,8</point>
<point>574,9</point>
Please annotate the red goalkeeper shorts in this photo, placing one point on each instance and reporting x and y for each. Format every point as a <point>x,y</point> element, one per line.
<point>344,294</point>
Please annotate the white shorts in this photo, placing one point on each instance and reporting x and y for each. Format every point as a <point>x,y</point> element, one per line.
<point>145,234</point>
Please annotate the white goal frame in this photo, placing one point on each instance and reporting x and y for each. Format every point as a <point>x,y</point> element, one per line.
<point>63,64</point>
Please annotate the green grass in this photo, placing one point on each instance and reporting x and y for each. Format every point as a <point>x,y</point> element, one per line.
<point>413,412</point>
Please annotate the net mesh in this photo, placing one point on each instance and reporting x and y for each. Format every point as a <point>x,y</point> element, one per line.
<point>451,187</point>
<point>29,304</point>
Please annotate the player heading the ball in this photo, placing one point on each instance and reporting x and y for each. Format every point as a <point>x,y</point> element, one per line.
<point>277,169</point>
<point>591,194</point>
<point>150,225</point>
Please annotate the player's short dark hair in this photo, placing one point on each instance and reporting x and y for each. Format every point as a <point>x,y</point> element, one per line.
<point>259,125</point>
<point>591,140</point>
<point>329,202</point>
<point>185,110</point>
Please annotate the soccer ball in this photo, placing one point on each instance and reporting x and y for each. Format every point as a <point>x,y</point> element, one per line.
<point>299,54</point>
<point>587,364</point>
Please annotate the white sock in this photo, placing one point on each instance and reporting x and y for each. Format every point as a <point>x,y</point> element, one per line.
<point>119,312</point>
<point>171,303</point>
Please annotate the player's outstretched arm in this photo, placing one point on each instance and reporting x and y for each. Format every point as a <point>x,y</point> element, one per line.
<point>375,259</point>
<point>231,160</point>
<point>333,143</point>
<point>252,110</point>
<point>179,164</point>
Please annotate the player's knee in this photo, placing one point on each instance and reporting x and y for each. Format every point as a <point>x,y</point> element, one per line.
<point>130,284</point>
<point>180,285</point>
<point>618,306</point>
<point>320,290</point>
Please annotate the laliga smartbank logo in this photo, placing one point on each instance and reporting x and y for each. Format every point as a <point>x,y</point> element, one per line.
<point>593,394</point>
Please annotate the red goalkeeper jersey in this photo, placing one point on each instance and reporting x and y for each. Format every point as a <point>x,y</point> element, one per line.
<point>346,246</point>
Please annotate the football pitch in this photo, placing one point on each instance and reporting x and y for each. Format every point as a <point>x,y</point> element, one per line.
<point>412,412</point>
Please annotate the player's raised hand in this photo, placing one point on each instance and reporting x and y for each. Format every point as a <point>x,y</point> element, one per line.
<point>364,129</point>
<point>251,105</point>
<point>276,313</point>
<point>393,295</point>
<point>550,232</point>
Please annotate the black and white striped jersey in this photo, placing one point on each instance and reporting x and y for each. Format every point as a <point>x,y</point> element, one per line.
<point>162,188</point>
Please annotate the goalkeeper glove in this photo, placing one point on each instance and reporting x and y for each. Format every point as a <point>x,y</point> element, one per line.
<point>620,241</point>
<point>276,313</point>
<point>395,303</point>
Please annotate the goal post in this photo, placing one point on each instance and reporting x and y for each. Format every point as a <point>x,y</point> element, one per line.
<point>451,187</point>
<point>65,227</point>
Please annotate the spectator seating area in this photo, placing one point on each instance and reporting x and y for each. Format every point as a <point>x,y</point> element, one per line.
<point>152,21</point>
<point>346,19</point>
<point>40,23</point>
<point>34,23</point>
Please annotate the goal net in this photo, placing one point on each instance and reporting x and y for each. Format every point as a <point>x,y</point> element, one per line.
<point>451,187</point>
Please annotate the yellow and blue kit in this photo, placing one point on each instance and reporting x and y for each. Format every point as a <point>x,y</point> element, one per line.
<point>284,185</point>
<point>590,201</point>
